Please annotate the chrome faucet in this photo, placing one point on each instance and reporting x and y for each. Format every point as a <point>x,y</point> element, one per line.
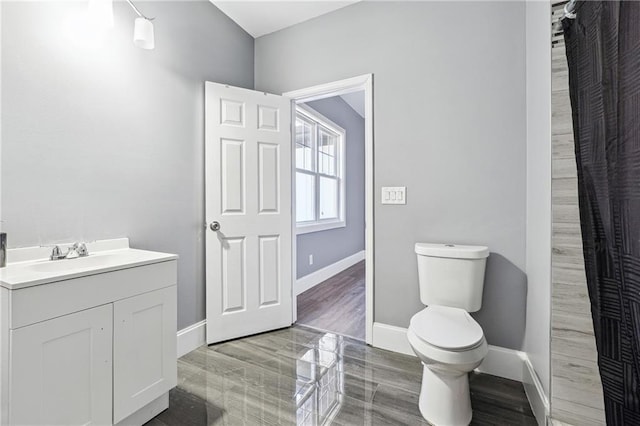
<point>56,254</point>
<point>76,250</point>
<point>79,249</point>
<point>3,249</point>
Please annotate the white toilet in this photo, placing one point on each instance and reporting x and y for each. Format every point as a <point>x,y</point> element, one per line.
<point>443,335</point>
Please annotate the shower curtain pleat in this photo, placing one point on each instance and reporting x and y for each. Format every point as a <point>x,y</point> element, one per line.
<point>603,53</point>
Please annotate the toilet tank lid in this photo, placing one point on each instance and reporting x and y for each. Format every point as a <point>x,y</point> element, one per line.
<point>453,251</point>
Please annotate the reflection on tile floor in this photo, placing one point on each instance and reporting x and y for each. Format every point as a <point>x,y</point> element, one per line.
<point>300,376</point>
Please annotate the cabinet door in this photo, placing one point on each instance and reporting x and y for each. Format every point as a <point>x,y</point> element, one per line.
<point>144,350</point>
<point>61,370</point>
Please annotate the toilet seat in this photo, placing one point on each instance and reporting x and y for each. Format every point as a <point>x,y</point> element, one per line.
<point>447,328</point>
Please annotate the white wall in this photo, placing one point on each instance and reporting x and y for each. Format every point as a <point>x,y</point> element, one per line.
<point>537,336</point>
<point>108,141</point>
<point>450,124</point>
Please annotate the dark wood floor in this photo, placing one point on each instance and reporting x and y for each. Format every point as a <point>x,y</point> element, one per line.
<point>301,376</point>
<point>337,304</point>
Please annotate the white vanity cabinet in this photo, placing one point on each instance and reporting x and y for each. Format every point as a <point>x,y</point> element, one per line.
<point>89,347</point>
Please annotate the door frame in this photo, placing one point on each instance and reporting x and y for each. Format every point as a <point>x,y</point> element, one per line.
<point>321,91</point>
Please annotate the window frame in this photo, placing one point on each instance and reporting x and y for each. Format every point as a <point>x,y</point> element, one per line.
<point>308,114</point>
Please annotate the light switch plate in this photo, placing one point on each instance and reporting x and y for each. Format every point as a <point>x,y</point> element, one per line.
<point>394,195</point>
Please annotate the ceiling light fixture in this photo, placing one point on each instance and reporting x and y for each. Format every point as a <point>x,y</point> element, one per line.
<point>101,16</point>
<point>143,31</point>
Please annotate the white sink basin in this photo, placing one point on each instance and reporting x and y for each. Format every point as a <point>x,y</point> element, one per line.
<point>91,261</point>
<point>32,266</point>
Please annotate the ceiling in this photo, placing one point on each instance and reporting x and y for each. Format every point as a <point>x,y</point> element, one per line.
<point>355,101</point>
<point>261,17</point>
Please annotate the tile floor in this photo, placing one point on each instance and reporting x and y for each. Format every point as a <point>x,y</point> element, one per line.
<point>305,377</point>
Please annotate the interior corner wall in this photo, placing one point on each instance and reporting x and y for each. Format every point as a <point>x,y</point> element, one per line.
<point>450,124</point>
<point>333,245</point>
<point>538,51</point>
<point>106,140</point>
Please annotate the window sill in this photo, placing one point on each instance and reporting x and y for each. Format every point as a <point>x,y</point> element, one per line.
<point>317,227</point>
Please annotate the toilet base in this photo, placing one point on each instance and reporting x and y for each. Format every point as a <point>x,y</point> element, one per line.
<point>444,398</point>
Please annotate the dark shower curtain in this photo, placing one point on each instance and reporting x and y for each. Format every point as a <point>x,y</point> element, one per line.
<point>603,51</point>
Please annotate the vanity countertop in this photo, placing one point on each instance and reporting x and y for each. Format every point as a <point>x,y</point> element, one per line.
<point>31,266</point>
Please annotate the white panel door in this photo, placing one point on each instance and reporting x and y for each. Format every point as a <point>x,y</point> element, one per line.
<point>144,350</point>
<point>61,370</point>
<point>248,195</point>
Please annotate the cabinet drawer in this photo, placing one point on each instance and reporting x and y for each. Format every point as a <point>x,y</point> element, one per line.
<point>39,303</point>
<point>61,370</point>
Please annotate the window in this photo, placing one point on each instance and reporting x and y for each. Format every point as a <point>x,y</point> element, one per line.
<point>320,190</point>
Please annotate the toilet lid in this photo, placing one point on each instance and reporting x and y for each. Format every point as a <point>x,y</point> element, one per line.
<point>446,328</point>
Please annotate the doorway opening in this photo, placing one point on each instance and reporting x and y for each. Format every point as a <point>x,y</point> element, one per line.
<point>332,191</point>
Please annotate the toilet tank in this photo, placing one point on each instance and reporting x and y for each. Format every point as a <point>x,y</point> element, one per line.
<point>451,275</point>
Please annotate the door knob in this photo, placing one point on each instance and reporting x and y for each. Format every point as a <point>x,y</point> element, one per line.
<point>214,226</point>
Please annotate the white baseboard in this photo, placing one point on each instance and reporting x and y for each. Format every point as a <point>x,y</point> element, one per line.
<point>391,338</point>
<point>191,338</point>
<point>501,362</point>
<point>535,392</point>
<point>313,279</point>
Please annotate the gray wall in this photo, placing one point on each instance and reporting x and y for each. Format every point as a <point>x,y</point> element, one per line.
<point>108,142</point>
<point>333,245</point>
<point>450,124</point>
<point>538,268</point>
